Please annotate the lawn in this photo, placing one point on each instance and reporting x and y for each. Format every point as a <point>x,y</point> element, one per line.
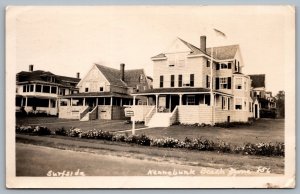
<point>264,130</point>
<point>54,123</point>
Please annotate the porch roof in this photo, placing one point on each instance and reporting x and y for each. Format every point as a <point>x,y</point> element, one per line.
<point>97,94</point>
<point>182,90</point>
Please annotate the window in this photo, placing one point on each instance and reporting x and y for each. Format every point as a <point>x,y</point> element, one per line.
<point>208,63</point>
<point>223,83</point>
<point>172,80</point>
<point>176,61</point>
<point>101,89</point>
<point>228,104</point>
<point>63,102</point>
<point>250,106</point>
<point>223,66</point>
<point>207,81</point>
<point>53,90</point>
<point>190,100</point>
<point>86,89</point>
<point>225,103</point>
<point>46,89</point>
<point>238,83</point>
<point>229,65</point>
<point>31,88</point>
<point>192,80</point>
<point>24,88</point>
<point>179,80</point>
<point>142,78</point>
<point>161,81</point>
<point>62,91</point>
<point>38,88</point>
<point>238,104</point>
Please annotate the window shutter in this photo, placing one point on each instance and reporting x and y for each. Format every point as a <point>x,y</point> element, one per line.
<point>217,66</point>
<point>229,65</point>
<point>228,103</point>
<point>222,102</point>
<point>207,86</point>
<point>217,83</point>
<point>229,83</point>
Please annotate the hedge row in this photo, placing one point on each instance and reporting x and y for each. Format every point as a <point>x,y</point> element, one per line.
<point>201,144</point>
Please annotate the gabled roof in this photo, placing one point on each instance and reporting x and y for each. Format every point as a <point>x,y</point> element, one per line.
<point>220,53</point>
<point>257,80</point>
<point>112,75</point>
<point>131,78</point>
<point>39,75</point>
<point>223,52</point>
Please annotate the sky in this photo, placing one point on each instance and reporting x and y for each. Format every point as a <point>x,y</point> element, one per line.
<point>67,40</point>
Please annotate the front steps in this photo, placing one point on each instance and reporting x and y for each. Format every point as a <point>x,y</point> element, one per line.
<point>160,120</point>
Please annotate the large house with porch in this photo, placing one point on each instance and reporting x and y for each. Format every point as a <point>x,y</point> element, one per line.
<point>104,93</point>
<point>196,85</point>
<point>38,91</point>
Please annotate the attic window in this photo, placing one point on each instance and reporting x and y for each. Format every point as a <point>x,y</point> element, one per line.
<point>86,89</point>
<point>101,89</point>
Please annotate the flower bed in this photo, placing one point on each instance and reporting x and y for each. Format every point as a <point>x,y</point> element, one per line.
<point>201,144</point>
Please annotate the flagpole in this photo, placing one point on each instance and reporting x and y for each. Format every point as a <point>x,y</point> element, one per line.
<point>211,87</point>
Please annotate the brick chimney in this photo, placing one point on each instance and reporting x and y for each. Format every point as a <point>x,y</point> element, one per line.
<point>203,43</point>
<point>122,71</point>
<point>31,68</point>
<point>78,75</point>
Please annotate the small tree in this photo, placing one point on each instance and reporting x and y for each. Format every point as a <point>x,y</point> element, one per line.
<point>280,99</point>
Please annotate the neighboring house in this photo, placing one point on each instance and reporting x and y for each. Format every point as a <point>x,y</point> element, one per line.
<point>38,91</point>
<point>103,93</point>
<point>264,98</point>
<point>182,80</point>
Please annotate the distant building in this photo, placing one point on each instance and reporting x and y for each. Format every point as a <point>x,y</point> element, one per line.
<point>185,79</point>
<point>103,93</point>
<point>258,92</point>
<point>38,91</point>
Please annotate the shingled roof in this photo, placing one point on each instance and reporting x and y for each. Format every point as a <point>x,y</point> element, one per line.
<point>41,76</point>
<point>258,80</point>
<point>220,53</point>
<point>223,52</point>
<point>132,77</point>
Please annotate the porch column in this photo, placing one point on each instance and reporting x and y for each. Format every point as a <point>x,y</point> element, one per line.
<point>83,102</point>
<point>49,105</point>
<point>133,100</point>
<point>21,101</point>
<point>170,104</point>
<point>121,101</point>
<point>26,101</point>
<point>96,101</point>
<point>156,102</point>
<point>71,102</point>
<point>147,101</point>
<point>104,101</point>
<point>111,101</point>
<point>180,99</point>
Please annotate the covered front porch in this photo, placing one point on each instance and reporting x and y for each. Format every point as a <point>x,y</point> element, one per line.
<point>184,105</point>
<point>101,105</point>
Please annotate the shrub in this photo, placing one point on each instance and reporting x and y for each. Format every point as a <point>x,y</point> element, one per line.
<point>61,131</point>
<point>105,135</point>
<point>24,129</point>
<point>74,132</point>
<point>119,137</point>
<point>41,130</point>
<point>166,142</point>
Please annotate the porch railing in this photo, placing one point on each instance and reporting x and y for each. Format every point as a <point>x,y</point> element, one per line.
<point>83,112</point>
<point>174,116</point>
<point>93,113</point>
<point>149,115</point>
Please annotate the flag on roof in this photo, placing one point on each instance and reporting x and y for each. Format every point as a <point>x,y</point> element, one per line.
<point>219,33</point>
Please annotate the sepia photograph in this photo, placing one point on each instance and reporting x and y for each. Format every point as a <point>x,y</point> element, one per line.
<point>150,97</point>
